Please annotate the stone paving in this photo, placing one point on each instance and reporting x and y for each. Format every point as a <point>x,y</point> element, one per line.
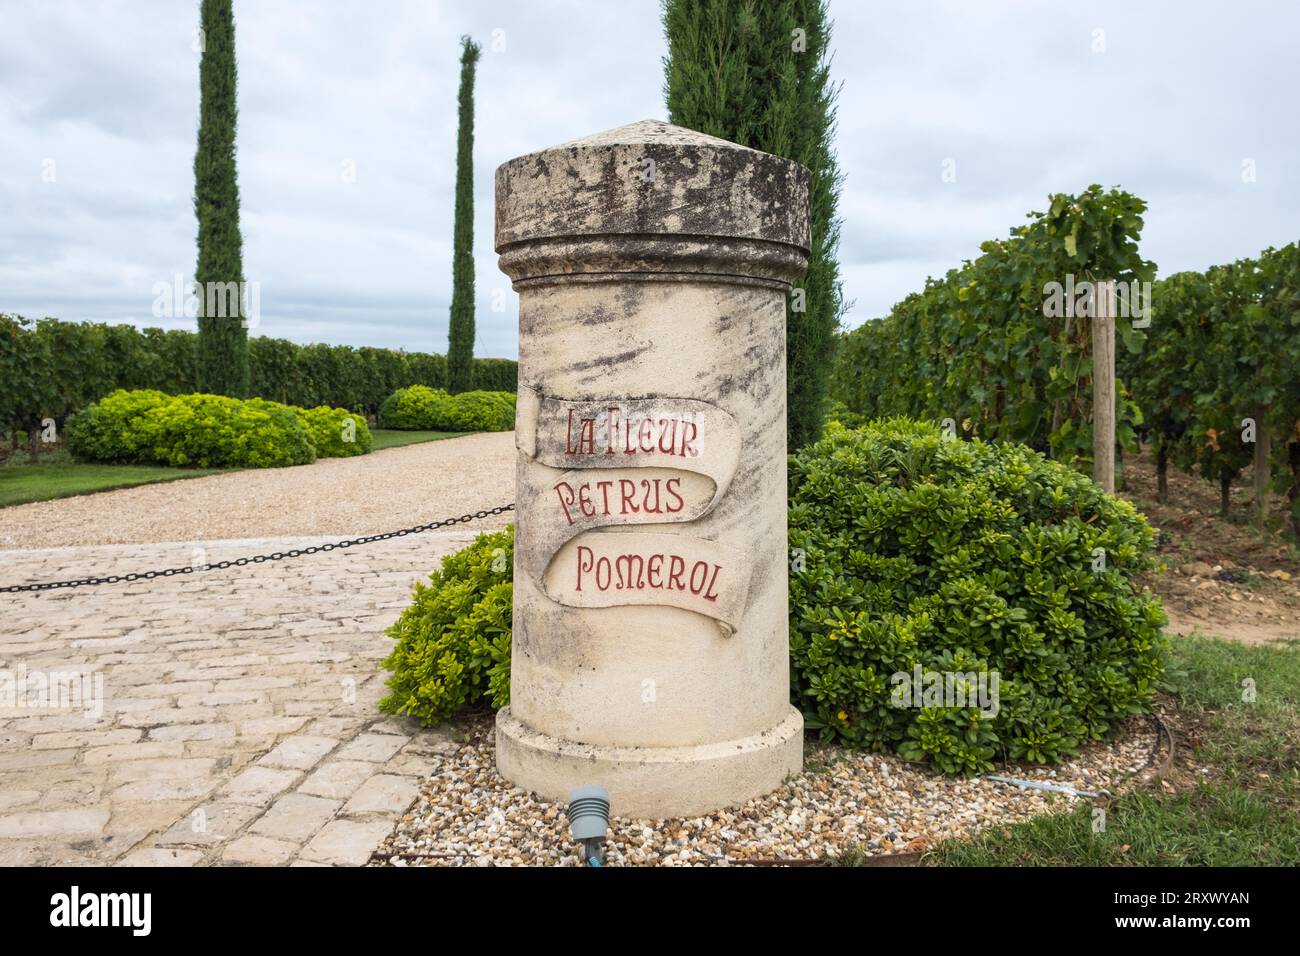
<point>220,718</point>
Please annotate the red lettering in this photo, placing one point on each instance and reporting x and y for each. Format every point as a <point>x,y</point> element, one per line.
<point>637,572</point>
<point>611,428</point>
<point>564,503</point>
<point>626,565</point>
<point>583,568</point>
<point>689,431</point>
<point>703,568</point>
<point>654,568</point>
<point>586,437</point>
<point>710,594</point>
<point>628,490</point>
<point>675,568</point>
<point>665,433</point>
<point>671,486</point>
<point>647,484</point>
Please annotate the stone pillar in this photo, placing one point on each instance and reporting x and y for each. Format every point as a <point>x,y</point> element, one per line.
<point>650,599</point>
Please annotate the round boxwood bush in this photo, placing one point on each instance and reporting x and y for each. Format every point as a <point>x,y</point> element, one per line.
<point>482,412</point>
<point>920,555</point>
<point>414,408</point>
<point>335,432</point>
<point>116,429</point>
<point>453,641</point>
<point>421,408</point>
<point>211,431</point>
<point>204,431</point>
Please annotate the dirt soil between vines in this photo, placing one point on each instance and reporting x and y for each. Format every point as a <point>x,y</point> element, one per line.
<point>1223,578</point>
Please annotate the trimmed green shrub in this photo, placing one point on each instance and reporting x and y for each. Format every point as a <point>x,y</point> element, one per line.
<point>481,412</point>
<point>964,558</point>
<point>910,551</point>
<point>415,408</point>
<point>419,408</point>
<point>148,427</point>
<point>453,642</point>
<point>204,431</point>
<point>335,432</point>
<point>117,429</point>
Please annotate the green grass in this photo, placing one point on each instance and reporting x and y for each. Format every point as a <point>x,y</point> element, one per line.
<point>56,475</point>
<point>393,438</point>
<point>1246,814</point>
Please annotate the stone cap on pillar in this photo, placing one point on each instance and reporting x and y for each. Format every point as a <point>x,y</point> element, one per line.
<point>652,200</point>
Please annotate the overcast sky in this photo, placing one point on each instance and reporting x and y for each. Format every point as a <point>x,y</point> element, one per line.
<point>99,105</point>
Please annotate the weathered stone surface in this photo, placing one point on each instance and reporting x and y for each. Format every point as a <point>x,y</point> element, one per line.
<point>144,816</point>
<point>54,823</point>
<point>161,856</point>
<point>142,751</point>
<point>300,752</point>
<point>383,793</point>
<point>338,778</point>
<point>84,739</point>
<point>191,789</point>
<point>346,842</point>
<point>258,851</point>
<point>650,644</point>
<point>168,770</point>
<point>372,747</point>
<point>192,732</point>
<point>259,785</point>
<point>694,186</point>
<point>209,824</point>
<point>295,816</point>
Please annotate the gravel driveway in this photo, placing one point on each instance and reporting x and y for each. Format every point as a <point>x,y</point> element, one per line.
<point>382,491</point>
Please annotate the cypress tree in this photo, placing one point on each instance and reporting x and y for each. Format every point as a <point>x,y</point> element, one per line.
<point>222,366</point>
<point>460,344</point>
<point>757,72</point>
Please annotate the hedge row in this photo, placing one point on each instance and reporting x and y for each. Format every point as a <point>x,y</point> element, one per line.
<point>421,408</point>
<point>50,369</point>
<point>148,427</point>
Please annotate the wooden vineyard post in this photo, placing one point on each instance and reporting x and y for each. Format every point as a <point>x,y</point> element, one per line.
<point>1263,450</point>
<point>1103,387</point>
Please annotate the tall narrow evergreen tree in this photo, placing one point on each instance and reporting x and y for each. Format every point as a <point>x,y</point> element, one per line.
<point>223,339</point>
<point>460,345</point>
<point>757,72</point>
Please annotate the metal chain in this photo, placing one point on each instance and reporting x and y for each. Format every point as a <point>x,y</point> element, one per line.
<point>258,559</point>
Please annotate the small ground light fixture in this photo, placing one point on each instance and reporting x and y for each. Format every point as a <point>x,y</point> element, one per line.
<point>588,814</point>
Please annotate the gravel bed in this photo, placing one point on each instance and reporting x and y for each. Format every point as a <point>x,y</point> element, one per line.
<point>468,815</point>
<point>382,491</point>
